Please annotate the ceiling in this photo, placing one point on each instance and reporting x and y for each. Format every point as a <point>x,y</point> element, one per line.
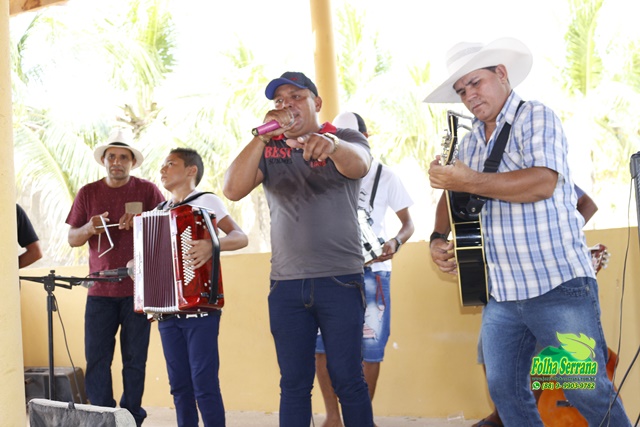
<point>18,6</point>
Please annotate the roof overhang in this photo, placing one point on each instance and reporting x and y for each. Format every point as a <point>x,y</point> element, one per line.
<point>19,6</point>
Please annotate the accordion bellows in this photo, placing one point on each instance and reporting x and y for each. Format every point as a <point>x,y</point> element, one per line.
<point>164,282</point>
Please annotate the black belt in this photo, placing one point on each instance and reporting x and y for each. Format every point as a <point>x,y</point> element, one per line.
<point>162,317</point>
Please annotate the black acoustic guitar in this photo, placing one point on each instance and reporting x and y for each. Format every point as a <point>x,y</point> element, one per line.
<point>466,228</point>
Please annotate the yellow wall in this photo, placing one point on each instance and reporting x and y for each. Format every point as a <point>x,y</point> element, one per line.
<point>430,367</point>
<point>11,370</point>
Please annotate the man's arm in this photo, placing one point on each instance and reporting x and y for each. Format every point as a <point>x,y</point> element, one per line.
<point>27,238</point>
<point>243,174</point>
<point>78,236</point>
<point>391,246</point>
<point>202,250</point>
<point>407,228</point>
<point>442,224</point>
<point>587,207</point>
<point>522,186</point>
<point>32,254</point>
<point>441,250</point>
<point>235,238</point>
<point>351,159</point>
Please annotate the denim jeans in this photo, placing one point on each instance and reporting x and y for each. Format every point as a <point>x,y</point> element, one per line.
<point>297,308</point>
<point>509,333</point>
<point>190,347</point>
<point>103,316</point>
<point>377,317</point>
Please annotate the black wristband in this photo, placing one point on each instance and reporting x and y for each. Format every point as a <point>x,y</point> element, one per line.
<point>435,235</point>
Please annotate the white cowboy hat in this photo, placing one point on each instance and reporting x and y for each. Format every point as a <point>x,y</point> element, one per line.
<point>465,57</point>
<point>121,138</point>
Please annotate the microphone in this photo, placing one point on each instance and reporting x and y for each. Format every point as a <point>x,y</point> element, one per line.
<point>266,128</point>
<point>117,272</point>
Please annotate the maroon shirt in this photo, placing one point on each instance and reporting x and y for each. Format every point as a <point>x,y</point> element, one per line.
<point>97,198</point>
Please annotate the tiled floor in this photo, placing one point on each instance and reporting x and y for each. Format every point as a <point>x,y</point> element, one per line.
<point>165,417</point>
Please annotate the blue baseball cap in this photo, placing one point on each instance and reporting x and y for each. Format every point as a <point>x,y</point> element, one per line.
<point>290,78</point>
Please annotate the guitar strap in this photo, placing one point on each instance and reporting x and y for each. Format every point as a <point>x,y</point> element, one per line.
<point>162,205</point>
<point>476,203</point>
<point>375,186</point>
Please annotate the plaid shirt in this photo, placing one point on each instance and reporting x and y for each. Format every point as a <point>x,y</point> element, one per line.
<point>530,248</point>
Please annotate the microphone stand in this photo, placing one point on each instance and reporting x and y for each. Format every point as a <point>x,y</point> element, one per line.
<point>50,282</point>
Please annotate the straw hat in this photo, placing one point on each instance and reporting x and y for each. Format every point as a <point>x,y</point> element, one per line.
<point>120,138</point>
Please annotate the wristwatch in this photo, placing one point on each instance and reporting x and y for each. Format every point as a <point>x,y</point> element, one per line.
<point>335,139</point>
<point>398,243</point>
<point>435,235</point>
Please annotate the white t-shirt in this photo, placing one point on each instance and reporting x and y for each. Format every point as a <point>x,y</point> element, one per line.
<point>211,202</point>
<point>391,193</point>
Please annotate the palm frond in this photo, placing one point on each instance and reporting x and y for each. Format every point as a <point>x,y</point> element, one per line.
<point>584,66</point>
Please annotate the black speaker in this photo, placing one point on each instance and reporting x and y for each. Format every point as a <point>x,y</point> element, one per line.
<point>69,385</point>
<point>49,413</point>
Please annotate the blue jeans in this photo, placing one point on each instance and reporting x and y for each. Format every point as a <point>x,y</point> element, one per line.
<point>377,316</point>
<point>190,347</point>
<point>510,331</point>
<point>103,316</point>
<point>297,308</point>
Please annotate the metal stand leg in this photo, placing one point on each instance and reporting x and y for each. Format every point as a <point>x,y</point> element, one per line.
<point>50,282</point>
<point>51,307</point>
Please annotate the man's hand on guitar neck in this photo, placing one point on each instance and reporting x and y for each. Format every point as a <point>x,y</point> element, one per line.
<point>456,177</point>
<point>443,256</point>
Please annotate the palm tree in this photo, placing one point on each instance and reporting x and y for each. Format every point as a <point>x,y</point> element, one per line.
<point>395,117</point>
<point>603,104</point>
<point>360,58</point>
<point>57,125</point>
<point>584,68</point>
<point>216,124</point>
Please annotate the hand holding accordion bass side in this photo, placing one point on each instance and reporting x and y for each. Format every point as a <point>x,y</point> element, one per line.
<point>166,280</point>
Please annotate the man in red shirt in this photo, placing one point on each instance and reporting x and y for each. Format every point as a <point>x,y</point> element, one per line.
<point>116,197</point>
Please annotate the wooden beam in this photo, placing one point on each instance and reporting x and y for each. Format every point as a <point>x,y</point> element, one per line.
<point>19,6</point>
<point>325,59</point>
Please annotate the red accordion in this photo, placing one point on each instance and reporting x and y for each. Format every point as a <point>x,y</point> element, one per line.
<point>164,281</point>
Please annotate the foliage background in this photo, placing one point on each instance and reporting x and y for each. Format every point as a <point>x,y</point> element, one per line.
<point>193,74</point>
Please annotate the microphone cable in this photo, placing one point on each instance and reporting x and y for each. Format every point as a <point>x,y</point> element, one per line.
<point>607,416</point>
